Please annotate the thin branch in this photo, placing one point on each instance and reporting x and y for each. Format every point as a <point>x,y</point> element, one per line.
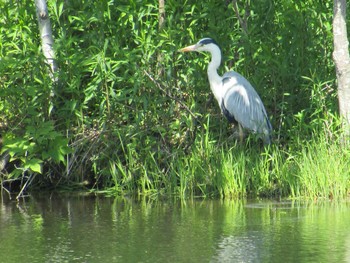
<point>3,188</point>
<point>196,120</point>
<point>27,183</point>
<point>242,22</point>
<point>159,86</point>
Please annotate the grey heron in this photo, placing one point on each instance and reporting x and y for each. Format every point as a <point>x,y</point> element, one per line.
<point>238,100</point>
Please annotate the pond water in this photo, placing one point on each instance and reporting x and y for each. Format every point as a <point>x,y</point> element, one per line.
<point>59,228</point>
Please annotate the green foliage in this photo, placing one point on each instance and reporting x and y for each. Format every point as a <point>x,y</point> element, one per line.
<point>39,142</point>
<point>324,170</point>
<point>132,115</point>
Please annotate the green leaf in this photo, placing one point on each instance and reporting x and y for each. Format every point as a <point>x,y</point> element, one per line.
<point>34,165</point>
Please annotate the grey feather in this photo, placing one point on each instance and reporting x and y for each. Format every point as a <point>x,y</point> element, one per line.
<point>243,103</point>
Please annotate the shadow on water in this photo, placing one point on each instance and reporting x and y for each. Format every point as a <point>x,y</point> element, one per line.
<point>86,228</point>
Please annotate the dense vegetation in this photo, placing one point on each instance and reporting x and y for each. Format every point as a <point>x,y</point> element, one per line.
<point>129,114</point>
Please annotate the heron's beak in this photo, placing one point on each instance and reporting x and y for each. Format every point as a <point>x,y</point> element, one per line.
<point>187,49</point>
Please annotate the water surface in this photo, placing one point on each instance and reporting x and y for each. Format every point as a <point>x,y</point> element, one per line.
<point>63,228</point>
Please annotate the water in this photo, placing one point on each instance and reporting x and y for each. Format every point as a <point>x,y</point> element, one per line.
<point>77,228</point>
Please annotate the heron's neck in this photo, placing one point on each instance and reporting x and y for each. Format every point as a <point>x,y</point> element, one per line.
<point>213,76</point>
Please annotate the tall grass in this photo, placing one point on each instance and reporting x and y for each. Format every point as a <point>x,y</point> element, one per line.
<point>324,170</point>
<point>319,168</point>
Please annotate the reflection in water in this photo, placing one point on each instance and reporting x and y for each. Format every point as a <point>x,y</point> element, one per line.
<point>80,228</point>
<point>238,249</point>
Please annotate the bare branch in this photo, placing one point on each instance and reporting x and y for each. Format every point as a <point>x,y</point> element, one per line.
<point>159,86</point>
<point>243,23</point>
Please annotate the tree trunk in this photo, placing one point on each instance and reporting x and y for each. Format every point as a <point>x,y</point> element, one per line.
<point>161,24</point>
<point>161,14</point>
<point>342,62</point>
<point>46,36</point>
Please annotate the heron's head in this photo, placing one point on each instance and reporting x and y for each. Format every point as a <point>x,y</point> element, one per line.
<point>205,44</point>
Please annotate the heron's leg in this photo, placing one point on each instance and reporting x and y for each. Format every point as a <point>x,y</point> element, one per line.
<point>241,133</point>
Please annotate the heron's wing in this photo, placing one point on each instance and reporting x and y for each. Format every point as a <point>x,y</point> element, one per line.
<point>243,103</point>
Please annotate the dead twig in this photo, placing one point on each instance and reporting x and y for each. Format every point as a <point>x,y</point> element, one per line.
<point>27,183</point>
<point>159,86</point>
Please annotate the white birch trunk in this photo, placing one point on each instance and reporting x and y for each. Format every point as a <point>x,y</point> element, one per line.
<point>342,62</point>
<point>46,35</point>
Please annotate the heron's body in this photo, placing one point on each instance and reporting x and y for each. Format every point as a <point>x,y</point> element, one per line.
<point>237,98</point>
